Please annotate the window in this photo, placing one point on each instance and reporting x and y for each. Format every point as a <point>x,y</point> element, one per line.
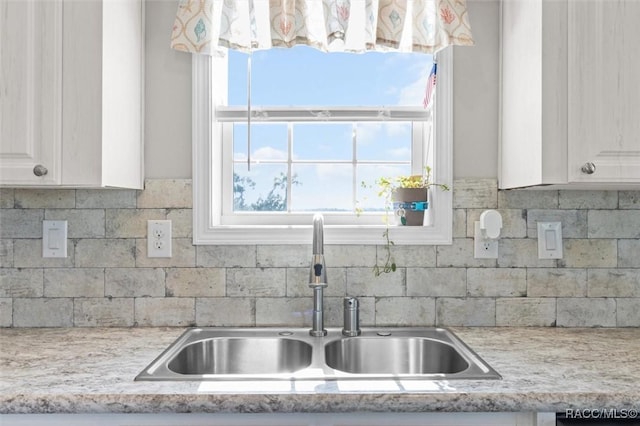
<point>311,148</point>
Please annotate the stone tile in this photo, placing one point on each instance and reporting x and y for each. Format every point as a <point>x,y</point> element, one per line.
<point>131,223</point>
<point>629,253</point>
<point>103,312</point>
<point>226,256</point>
<point>614,282</point>
<point>460,254</point>
<point>48,198</point>
<point>135,282</point>
<point>165,311</point>
<point>586,312</point>
<point>256,282</point>
<point>298,282</point>
<point>28,254</point>
<point>349,255</point>
<point>43,312</point>
<point>21,282</point>
<point>528,199</point>
<point>475,194</point>
<point>574,222</point>
<point>465,312</point>
<point>363,282</point>
<point>183,255</point>
<point>556,282</point>
<point>521,253</point>
<point>629,199</point>
<point>283,256</point>
<point>6,253</point>
<point>588,200</point>
<point>627,313</point>
<point>459,223</point>
<point>225,312</point>
<point>106,198</point>
<point>614,223</point>
<point>6,198</point>
<point>166,193</point>
<point>6,312</point>
<point>525,312</point>
<point>591,253</point>
<point>196,282</point>
<point>286,311</point>
<point>105,253</point>
<point>407,256</point>
<point>405,311</point>
<point>504,282</point>
<point>514,222</point>
<point>21,223</point>
<point>74,282</point>
<point>81,223</point>
<point>181,222</point>
<point>437,282</point>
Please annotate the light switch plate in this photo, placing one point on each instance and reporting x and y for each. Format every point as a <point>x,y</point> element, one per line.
<point>54,238</point>
<point>549,240</point>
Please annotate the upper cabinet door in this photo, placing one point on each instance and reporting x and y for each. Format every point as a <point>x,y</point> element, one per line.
<point>604,91</point>
<point>30,92</point>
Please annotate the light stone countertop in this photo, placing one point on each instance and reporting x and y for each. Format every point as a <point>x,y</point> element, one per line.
<point>91,370</point>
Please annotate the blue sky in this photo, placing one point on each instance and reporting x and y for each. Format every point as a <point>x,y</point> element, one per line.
<point>303,76</point>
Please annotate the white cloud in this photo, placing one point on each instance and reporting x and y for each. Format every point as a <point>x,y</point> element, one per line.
<point>264,153</point>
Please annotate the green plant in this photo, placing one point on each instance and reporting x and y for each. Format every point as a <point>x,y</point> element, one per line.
<point>385,188</point>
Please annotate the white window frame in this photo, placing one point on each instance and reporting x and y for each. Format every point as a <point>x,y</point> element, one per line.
<point>208,166</point>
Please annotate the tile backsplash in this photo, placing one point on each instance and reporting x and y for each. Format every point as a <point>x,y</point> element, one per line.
<point>108,280</point>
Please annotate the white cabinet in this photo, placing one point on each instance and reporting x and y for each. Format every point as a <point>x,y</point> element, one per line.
<point>71,92</point>
<point>570,95</point>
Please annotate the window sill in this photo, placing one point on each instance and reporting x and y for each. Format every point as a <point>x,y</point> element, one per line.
<point>333,234</point>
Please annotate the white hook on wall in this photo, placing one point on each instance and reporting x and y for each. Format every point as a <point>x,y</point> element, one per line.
<point>491,224</point>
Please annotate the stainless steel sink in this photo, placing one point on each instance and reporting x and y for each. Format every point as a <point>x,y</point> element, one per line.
<point>242,355</point>
<point>292,354</point>
<point>394,355</point>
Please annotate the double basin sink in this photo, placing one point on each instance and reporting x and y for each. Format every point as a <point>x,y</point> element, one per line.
<point>292,354</point>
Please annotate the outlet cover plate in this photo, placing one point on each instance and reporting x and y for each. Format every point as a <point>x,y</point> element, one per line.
<point>484,248</point>
<point>158,238</point>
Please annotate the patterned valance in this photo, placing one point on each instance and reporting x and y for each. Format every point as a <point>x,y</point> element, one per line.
<point>210,26</point>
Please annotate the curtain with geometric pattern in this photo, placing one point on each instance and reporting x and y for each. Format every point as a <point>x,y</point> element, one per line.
<point>211,26</point>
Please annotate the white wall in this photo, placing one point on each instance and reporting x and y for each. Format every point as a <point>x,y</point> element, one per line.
<point>168,96</point>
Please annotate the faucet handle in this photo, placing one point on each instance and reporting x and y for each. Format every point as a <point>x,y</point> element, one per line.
<point>318,272</point>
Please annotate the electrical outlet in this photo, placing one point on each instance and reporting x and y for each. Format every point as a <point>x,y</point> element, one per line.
<point>484,248</point>
<point>158,238</point>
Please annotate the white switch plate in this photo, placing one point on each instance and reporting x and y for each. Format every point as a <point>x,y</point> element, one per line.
<point>54,238</point>
<point>158,238</point>
<point>484,248</point>
<point>549,240</point>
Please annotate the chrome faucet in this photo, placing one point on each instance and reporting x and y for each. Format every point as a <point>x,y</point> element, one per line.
<point>318,277</point>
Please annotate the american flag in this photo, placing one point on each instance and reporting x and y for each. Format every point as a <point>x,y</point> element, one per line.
<point>431,87</point>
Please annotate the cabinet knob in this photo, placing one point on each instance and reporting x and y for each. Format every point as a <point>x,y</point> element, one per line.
<point>588,168</point>
<point>40,170</point>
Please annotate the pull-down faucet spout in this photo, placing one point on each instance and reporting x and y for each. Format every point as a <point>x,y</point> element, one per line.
<point>318,277</point>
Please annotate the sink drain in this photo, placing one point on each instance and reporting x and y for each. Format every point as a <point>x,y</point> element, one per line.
<point>384,333</point>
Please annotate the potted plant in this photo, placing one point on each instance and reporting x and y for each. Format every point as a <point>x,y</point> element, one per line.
<point>408,197</point>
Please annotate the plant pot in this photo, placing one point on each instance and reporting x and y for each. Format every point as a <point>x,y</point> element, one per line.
<point>410,204</point>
